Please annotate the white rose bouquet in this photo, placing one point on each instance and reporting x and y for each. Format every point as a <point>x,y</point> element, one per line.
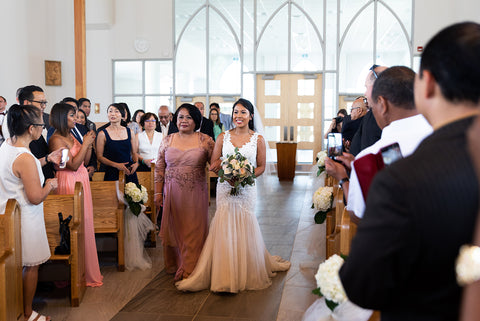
<point>322,201</point>
<point>135,194</point>
<point>237,168</point>
<point>321,155</point>
<point>328,282</point>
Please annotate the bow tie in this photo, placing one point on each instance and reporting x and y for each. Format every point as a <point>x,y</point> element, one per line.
<point>3,113</point>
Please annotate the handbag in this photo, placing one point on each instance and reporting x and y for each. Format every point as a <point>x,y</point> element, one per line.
<point>64,231</point>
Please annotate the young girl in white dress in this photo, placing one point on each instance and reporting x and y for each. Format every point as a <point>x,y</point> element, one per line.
<point>234,257</point>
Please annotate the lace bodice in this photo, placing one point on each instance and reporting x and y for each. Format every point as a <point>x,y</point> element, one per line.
<point>249,150</point>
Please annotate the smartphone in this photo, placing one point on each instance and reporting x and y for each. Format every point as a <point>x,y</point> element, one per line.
<point>391,153</point>
<point>334,145</point>
<point>64,160</point>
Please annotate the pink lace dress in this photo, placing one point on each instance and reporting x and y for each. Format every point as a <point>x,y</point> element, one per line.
<point>66,185</point>
<point>184,226</point>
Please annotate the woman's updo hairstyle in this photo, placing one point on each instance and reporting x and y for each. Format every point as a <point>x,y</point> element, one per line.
<point>248,105</point>
<point>20,117</point>
<point>194,113</point>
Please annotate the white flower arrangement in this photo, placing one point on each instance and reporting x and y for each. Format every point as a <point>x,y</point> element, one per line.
<point>328,282</point>
<point>322,201</point>
<point>135,195</point>
<point>321,155</point>
<point>238,168</point>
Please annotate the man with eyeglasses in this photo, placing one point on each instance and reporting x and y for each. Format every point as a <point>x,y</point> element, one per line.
<point>351,126</point>
<point>34,95</point>
<point>164,120</point>
<point>368,132</point>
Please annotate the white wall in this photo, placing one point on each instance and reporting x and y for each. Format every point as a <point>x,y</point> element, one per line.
<point>151,20</point>
<point>32,32</point>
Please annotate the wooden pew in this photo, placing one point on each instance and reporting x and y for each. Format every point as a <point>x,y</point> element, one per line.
<point>11,283</point>
<point>70,204</point>
<point>333,219</point>
<point>147,179</point>
<point>108,212</point>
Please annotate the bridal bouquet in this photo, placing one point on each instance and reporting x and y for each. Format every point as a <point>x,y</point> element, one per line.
<point>334,304</point>
<point>136,195</point>
<point>322,201</point>
<point>237,167</point>
<point>321,155</point>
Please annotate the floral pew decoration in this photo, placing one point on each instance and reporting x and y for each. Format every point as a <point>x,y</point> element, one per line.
<point>137,226</point>
<point>321,155</point>
<point>322,201</point>
<point>333,304</point>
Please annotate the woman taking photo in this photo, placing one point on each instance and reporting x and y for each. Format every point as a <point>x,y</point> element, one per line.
<point>62,118</point>
<point>116,146</point>
<point>21,178</point>
<point>148,142</point>
<point>181,188</point>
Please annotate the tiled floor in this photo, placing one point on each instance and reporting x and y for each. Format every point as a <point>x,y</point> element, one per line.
<point>285,218</point>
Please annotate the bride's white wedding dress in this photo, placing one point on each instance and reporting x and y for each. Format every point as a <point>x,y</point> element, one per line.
<point>234,257</point>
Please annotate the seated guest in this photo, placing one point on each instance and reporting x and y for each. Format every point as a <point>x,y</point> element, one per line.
<point>148,142</point>
<point>394,109</point>
<point>163,123</point>
<point>422,208</point>
<point>137,115</point>
<point>350,127</point>
<point>368,132</point>
<point>21,179</point>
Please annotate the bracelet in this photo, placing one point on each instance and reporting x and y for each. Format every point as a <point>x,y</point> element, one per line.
<point>158,193</point>
<point>467,265</point>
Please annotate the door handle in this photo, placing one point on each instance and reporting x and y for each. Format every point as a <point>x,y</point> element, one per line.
<point>291,133</point>
<point>285,133</point>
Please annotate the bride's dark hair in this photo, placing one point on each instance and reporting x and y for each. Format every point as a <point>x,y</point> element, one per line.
<point>247,104</point>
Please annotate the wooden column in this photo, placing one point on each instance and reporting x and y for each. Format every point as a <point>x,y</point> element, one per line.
<point>80,52</point>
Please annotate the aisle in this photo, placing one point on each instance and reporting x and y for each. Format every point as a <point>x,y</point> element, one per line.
<point>282,208</point>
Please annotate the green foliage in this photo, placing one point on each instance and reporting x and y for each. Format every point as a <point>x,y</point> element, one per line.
<point>320,217</point>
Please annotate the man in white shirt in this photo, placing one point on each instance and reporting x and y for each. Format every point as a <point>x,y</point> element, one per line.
<point>164,120</point>
<point>393,106</point>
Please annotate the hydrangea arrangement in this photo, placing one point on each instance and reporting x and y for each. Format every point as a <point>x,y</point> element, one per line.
<point>321,155</point>
<point>328,282</point>
<point>237,167</point>
<point>135,194</point>
<point>322,201</point>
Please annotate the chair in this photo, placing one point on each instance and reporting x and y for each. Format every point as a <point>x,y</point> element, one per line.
<point>11,283</point>
<point>108,212</point>
<point>69,204</point>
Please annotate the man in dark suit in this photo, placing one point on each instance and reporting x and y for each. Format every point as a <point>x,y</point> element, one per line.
<point>206,125</point>
<point>421,209</point>
<point>34,95</point>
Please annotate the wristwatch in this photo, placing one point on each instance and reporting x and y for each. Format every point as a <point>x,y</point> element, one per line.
<point>343,180</point>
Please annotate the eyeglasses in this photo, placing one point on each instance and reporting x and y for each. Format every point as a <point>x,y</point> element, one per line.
<point>150,120</point>
<point>163,117</point>
<point>42,103</point>
<point>373,70</point>
<point>40,125</point>
<point>353,108</point>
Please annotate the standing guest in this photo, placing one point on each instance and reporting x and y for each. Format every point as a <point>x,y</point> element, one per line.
<point>34,95</point>
<point>81,117</point>
<point>85,105</point>
<point>164,120</point>
<point>3,116</point>
<point>148,142</point>
<point>181,188</point>
<point>225,119</point>
<point>422,208</point>
<point>62,118</point>
<point>206,125</point>
<point>218,127</point>
<point>21,178</point>
<point>234,257</point>
<point>350,127</point>
<point>137,116</point>
<point>127,118</point>
<point>116,147</point>
<point>337,122</point>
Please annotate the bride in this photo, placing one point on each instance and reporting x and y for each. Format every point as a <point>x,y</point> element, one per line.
<point>234,257</point>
